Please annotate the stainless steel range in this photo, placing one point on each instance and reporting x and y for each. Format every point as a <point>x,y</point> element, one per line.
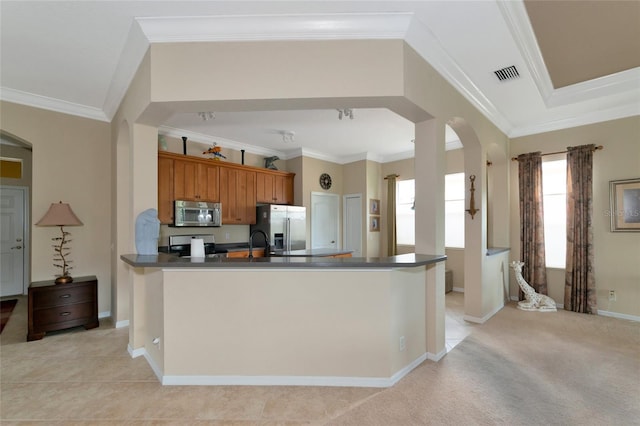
<point>181,245</point>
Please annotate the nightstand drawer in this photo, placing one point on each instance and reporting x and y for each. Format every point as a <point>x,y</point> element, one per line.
<point>62,314</point>
<point>63,296</point>
<point>58,306</point>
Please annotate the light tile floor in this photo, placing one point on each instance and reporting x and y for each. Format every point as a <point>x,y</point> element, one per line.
<point>456,328</point>
<point>87,377</point>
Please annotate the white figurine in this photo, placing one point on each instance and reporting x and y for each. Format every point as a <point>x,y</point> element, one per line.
<point>533,301</point>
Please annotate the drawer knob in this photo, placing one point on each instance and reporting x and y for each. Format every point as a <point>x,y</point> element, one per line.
<point>65,296</point>
<point>64,314</point>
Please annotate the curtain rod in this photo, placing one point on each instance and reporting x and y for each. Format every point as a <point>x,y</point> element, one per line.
<point>559,152</point>
<point>391,176</point>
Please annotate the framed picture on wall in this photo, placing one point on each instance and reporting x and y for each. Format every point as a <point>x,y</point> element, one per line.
<point>374,224</point>
<point>625,205</point>
<point>374,206</point>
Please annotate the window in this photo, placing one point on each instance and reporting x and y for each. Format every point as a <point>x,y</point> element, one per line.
<point>405,212</point>
<point>453,207</point>
<point>554,192</point>
<point>454,210</point>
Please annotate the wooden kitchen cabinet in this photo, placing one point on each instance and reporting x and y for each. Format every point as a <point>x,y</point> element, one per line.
<point>238,187</point>
<point>165,190</point>
<point>195,181</point>
<point>257,252</point>
<point>238,196</point>
<point>274,188</point>
<point>58,306</point>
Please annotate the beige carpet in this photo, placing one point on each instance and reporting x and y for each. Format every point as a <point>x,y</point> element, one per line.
<point>520,368</point>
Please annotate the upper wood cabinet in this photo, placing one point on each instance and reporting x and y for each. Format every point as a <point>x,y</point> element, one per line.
<point>165,190</point>
<point>195,181</point>
<point>238,196</point>
<point>239,188</point>
<point>274,188</point>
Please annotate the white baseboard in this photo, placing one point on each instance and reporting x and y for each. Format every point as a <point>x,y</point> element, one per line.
<point>105,314</point>
<point>135,353</point>
<point>122,324</point>
<point>619,315</point>
<point>458,289</point>
<point>603,313</point>
<point>367,382</point>
<point>484,318</point>
<point>153,365</point>
<point>437,357</point>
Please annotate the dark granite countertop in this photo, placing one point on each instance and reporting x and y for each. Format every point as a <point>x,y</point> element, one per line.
<point>163,260</point>
<point>311,252</point>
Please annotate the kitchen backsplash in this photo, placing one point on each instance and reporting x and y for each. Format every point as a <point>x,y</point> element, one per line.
<point>224,234</point>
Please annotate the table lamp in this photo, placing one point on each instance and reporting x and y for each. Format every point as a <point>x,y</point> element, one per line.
<point>61,215</point>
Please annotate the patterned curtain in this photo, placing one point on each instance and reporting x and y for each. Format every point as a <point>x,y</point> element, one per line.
<point>580,283</point>
<point>532,222</point>
<point>392,243</point>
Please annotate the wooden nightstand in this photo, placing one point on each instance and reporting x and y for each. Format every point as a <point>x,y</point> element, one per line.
<point>59,306</point>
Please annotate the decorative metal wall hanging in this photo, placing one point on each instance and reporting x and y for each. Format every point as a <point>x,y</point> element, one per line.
<point>472,202</point>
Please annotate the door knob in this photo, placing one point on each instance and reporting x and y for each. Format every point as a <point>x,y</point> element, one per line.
<point>16,247</point>
<point>332,242</point>
<point>18,240</point>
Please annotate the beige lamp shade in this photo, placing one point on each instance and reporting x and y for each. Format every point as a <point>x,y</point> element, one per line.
<point>59,214</point>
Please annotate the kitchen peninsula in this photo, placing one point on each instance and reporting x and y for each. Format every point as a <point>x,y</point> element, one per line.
<point>286,320</point>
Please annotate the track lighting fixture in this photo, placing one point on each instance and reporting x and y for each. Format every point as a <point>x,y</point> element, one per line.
<point>346,112</point>
<point>206,116</point>
<point>287,136</point>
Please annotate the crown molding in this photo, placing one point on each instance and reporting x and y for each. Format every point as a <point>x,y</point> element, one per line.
<point>335,26</point>
<point>625,82</point>
<point>399,156</point>
<point>130,59</point>
<point>51,104</point>
<point>581,120</point>
<point>517,20</point>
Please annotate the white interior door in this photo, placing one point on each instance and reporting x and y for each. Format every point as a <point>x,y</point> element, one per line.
<point>12,239</point>
<point>352,229</point>
<point>325,219</point>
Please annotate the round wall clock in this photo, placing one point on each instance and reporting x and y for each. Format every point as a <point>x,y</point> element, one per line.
<point>325,181</point>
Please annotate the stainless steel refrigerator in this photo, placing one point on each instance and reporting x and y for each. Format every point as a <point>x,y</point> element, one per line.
<point>286,226</point>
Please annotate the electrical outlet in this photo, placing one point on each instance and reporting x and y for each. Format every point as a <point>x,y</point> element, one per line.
<point>403,343</point>
<point>612,295</point>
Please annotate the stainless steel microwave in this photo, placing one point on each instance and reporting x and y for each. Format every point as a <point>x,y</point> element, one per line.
<point>197,213</point>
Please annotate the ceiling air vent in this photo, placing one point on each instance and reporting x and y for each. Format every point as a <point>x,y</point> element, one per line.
<point>508,73</point>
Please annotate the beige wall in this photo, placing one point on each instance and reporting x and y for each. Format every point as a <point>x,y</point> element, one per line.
<point>71,163</point>
<point>374,308</point>
<point>616,253</point>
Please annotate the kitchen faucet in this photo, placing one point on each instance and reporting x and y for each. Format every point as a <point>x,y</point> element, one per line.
<point>267,248</point>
